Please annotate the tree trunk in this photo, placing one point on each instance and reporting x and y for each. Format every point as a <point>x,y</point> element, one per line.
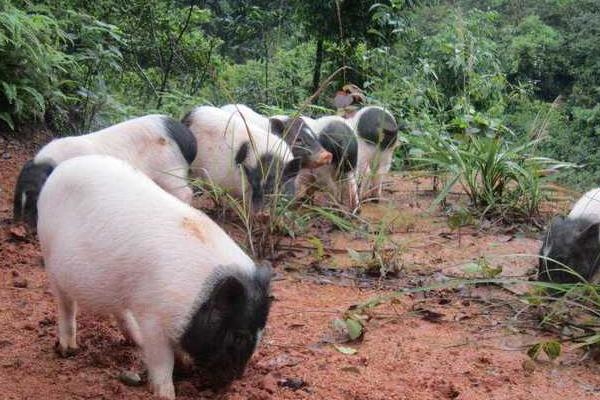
<point>318,63</point>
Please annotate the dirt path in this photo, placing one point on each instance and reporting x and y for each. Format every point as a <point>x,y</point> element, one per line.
<point>452,344</point>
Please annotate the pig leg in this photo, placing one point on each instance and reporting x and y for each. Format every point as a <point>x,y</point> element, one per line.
<point>159,359</point>
<point>382,170</point>
<point>350,192</point>
<point>67,326</point>
<point>130,328</point>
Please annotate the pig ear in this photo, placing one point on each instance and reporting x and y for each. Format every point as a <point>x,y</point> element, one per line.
<point>590,234</point>
<point>277,126</point>
<point>228,294</point>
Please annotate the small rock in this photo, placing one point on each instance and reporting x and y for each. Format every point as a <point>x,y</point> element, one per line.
<point>20,282</point>
<point>130,378</point>
<point>18,232</point>
<point>292,383</point>
<point>6,156</point>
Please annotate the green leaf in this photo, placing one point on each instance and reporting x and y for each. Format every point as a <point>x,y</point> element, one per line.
<point>355,329</point>
<point>345,350</point>
<point>6,118</point>
<point>588,341</point>
<point>552,348</point>
<point>319,248</point>
<point>340,325</point>
<point>534,351</point>
<point>471,268</point>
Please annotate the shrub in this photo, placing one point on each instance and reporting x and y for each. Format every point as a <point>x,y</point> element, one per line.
<point>32,65</point>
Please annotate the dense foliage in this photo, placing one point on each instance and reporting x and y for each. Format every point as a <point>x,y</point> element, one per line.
<point>455,71</point>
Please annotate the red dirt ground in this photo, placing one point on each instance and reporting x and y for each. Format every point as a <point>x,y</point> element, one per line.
<point>473,349</point>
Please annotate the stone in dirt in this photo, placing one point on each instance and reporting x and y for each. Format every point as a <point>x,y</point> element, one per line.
<point>130,378</point>
<point>292,383</point>
<point>18,232</point>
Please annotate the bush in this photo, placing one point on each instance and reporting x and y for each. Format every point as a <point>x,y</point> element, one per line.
<point>501,178</point>
<point>32,65</point>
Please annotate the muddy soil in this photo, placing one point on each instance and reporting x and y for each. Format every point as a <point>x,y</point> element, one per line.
<point>464,343</point>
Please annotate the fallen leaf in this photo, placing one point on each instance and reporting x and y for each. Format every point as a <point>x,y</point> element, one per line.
<point>355,329</point>
<point>345,350</point>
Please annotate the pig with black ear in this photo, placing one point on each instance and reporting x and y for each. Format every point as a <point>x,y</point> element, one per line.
<point>573,242</point>
<point>302,139</point>
<point>240,157</point>
<point>377,132</point>
<point>294,130</point>
<point>339,177</point>
<point>158,145</point>
<point>114,242</point>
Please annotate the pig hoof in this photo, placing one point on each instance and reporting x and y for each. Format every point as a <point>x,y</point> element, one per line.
<point>65,352</point>
<point>164,391</point>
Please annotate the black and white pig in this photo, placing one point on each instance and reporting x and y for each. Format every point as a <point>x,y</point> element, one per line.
<point>239,156</point>
<point>377,132</point>
<point>115,243</point>
<point>158,145</point>
<point>573,242</point>
<point>296,133</point>
<point>339,177</point>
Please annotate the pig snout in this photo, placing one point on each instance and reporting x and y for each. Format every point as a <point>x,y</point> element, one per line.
<point>319,159</point>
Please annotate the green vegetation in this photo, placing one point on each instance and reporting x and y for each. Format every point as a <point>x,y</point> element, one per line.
<point>490,91</point>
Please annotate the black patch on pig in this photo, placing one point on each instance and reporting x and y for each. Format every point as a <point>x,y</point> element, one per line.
<point>221,335</point>
<point>338,138</point>
<point>573,242</point>
<point>377,127</point>
<point>267,176</point>
<point>291,169</point>
<point>277,127</point>
<point>183,137</point>
<point>29,184</point>
<point>242,153</point>
<point>299,136</point>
